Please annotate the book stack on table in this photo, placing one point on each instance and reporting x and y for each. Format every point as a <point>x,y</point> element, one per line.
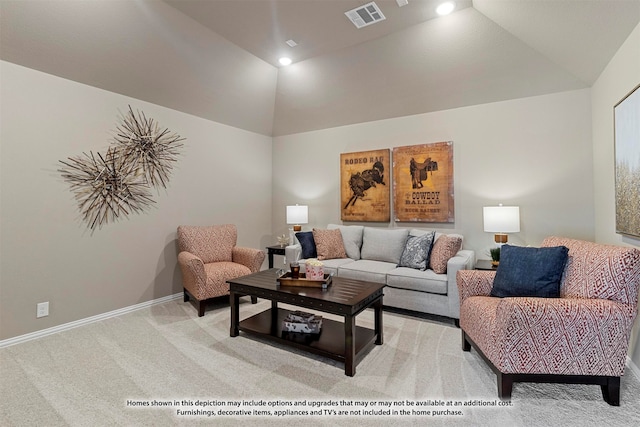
<point>302,322</point>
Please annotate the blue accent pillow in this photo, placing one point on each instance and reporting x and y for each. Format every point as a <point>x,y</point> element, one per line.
<point>308,244</point>
<point>529,272</point>
<point>416,251</point>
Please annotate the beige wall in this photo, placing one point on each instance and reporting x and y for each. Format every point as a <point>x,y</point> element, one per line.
<point>532,152</point>
<point>47,254</point>
<point>619,78</point>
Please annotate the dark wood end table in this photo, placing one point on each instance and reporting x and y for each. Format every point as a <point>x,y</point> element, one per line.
<point>341,341</point>
<point>274,250</point>
<point>484,264</point>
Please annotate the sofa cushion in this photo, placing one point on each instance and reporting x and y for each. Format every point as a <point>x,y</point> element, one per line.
<point>307,243</point>
<point>416,251</point>
<point>416,280</point>
<point>351,238</point>
<point>529,272</point>
<point>371,271</point>
<point>383,244</point>
<point>329,244</point>
<point>444,248</point>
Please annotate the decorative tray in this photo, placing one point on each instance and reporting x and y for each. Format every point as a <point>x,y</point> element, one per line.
<point>302,281</point>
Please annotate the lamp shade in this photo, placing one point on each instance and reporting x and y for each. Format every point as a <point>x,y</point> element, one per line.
<point>501,219</point>
<point>297,214</point>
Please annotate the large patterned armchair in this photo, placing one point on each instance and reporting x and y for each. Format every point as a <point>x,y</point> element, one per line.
<point>581,337</point>
<point>209,257</point>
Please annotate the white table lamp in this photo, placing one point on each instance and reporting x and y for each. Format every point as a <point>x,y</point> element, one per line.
<point>501,220</point>
<point>296,215</point>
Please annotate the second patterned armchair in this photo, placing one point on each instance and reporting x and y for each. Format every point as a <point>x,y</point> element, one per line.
<point>579,336</point>
<point>209,257</point>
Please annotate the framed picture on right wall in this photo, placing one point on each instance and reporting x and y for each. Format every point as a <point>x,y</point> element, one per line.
<point>626,114</point>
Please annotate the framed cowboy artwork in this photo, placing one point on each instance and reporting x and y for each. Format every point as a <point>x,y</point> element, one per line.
<point>423,183</point>
<point>364,188</point>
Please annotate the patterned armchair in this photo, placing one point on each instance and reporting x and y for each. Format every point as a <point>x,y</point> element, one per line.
<point>209,257</point>
<point>580,338</point>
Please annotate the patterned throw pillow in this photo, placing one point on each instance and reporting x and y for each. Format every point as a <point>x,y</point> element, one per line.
<point>329,244</point>
<point>351,238</point>
<point>307,243</point>
<point>416,252</point>
<point>444,248</point>
<point>529,272</point>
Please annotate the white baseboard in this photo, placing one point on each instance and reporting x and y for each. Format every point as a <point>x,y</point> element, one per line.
<point>66,326</point>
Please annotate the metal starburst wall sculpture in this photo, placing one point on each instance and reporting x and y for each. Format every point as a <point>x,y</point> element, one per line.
<point>150,150</point>
<point>112,186</point>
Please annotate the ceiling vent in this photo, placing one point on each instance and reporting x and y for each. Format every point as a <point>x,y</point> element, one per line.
<point>365,15</point>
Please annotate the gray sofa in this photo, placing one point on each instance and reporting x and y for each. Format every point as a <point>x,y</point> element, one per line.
<point>373,254</point>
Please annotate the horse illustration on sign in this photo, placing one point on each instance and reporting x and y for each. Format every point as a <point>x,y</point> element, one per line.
<point>362,181</point>
<point>364,193</point>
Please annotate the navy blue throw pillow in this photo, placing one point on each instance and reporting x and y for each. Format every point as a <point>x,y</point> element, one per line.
<point>529,272</point>
<point>308,244</point>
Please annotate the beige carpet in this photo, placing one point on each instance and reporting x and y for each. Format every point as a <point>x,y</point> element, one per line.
<point>101,375</point>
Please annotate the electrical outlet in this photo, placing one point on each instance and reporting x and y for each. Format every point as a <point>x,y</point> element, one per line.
<point>42,309</point>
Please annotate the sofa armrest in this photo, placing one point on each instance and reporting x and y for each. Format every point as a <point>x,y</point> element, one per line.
<point>193,275</point>
<point>292,253</point>
<point>474,283</point>
<point>250,257</point>
<point>464,259</point>
<point>550,325</point>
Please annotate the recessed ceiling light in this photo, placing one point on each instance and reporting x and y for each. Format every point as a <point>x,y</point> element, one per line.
<point>285,61</point>
<point>445,8</point>
<point>291,43</point>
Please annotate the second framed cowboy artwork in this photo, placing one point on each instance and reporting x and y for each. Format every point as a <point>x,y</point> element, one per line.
<point>422,183</point>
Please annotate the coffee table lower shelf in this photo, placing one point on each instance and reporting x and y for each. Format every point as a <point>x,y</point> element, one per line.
<point>329,343</point>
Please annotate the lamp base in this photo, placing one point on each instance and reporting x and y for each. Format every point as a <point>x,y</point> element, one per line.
<point>500,238</point>
<point>297,228</point>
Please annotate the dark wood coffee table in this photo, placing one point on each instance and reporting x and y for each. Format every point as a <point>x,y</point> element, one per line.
<point>341,341</point>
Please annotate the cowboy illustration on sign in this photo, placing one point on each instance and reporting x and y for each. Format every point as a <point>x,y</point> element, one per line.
<point>363,190</point>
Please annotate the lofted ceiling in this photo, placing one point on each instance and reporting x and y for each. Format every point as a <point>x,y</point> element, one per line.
<point>217,59</point>
<point>318,27</point>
